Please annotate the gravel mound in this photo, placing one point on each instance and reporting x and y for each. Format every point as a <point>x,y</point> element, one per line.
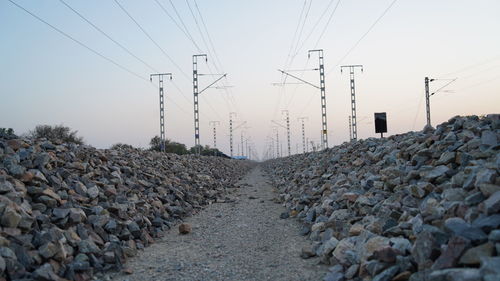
<point>417,206</point>
<point>68,211</point>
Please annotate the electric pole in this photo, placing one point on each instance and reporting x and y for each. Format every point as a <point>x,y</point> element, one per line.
<point>427,100</point>
<point>304,143</point>
<point>234,129</point>
<point>195,97</point>
<point>162,106</point>
<point>243,147</point>
<point>428,95</point>
<point>354,130</point>
<point>231,114</point>
<point>324,131</point>
<point>214,125</point>
<point>287,120</point>
<point>350,129</point>
<point>277,142</point>
<point>321,87</point>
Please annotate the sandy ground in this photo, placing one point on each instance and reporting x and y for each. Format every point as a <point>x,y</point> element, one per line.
<point>243,239</point>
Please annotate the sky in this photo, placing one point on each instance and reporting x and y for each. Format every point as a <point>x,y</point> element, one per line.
<point>103,90</point>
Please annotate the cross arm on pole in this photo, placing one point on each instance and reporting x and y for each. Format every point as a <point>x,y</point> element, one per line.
<point>300,79</point>
<point>351,67</point>
<point>160,74</point>
<point>278,124</point>
<point>446,85</point>
<point>224,75</point>
<point>239,126</point>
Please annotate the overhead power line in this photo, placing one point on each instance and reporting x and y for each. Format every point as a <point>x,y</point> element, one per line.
<point>315,47</point>
<point>210,49</point>
<point>317,23</point>
<point>107,36</point>
<point>295,35</point>
<point>471,66</point>
<point>327,24</point>
<point>208,36</point>
<point>152,40</point>
<point>184,30</point>
<point>363,36</point>
<point>296,51</point>
<point>93,51</point>
<point>79,42</point>
<point>119,45</point>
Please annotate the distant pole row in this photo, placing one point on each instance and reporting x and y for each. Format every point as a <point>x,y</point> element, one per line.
<point>162,106</point>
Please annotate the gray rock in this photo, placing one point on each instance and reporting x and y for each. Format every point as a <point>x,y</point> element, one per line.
<point>487,223</point>
<point>48,250</point>
<point>490,268</point>
<point>494,236</point>
<point>449,257</point>
<point>45,272</point>
<point>489,138</point>
<point>485,176</point>
<point>2,264</point>
<point>423,249</point>
<point>93,191</point>
<point>10,217</point>
<point>456,274</point>
<point>88,247</point>
<point>307,252</point>
<point>403,245</point>
<point>492,204</point>
<point>436,172</point>
<point>474,198</point>
<point>459,227</point>
<point>351,271</point>
<point>334,276</point>
<point>387,274</point>
<point>474,255</point>
<point>327,247</point>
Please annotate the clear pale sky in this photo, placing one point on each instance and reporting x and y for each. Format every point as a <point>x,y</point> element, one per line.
<point>45,78</point>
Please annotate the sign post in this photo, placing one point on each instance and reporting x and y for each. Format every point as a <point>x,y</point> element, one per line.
<point>381,123</point>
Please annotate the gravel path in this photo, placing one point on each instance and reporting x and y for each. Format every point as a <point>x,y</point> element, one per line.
<point>241,240</point>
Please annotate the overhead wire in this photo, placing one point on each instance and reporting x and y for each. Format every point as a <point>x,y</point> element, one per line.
<point>90,49</point>
<point>208,35</point>
<point>302,30</point>
<point>209,50</point>
<point>295,35</point>
<point>363,36</point>
<point>118,44</point>
<point>162,50</point>
<point>315,47</point>
<point>317,23</point>
<point>470,66</point>
<point>228,92</point>
<point>108,36</point>
<point>289,59</point>
<point>79,42</point>
<point>152,40</point>
<point>480,83</point>
<point>184,30</point>
<point>327,24</point>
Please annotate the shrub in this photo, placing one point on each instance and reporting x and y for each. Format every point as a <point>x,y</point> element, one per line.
<point>57,133</point>
<point>118,146</point>
<point>170,146</point>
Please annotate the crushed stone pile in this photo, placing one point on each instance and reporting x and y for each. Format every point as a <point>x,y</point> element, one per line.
<point>418,206</point>
<point>68,211</point>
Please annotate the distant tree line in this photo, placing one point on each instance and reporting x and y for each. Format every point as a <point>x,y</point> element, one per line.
<point>7,133</point>
<point>63,134</point>
<point>56,134</point>
<point>181,149</point>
